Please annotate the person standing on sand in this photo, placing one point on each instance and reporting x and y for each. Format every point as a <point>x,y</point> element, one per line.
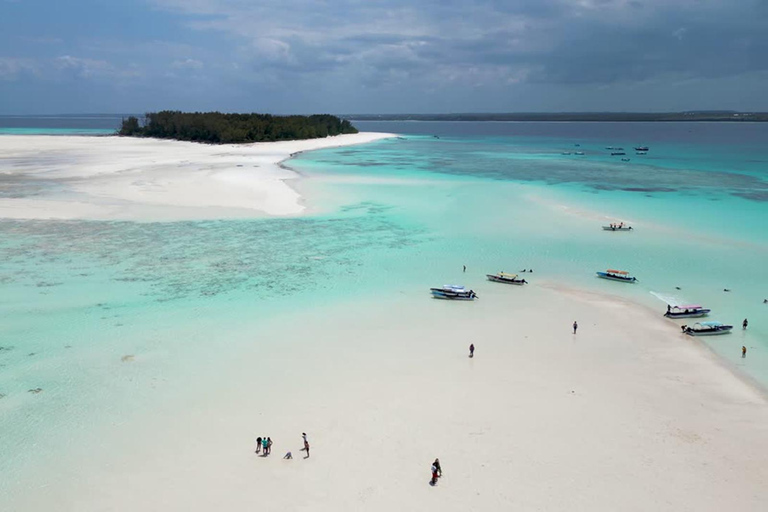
<point>465,268</point>
<point>258,444</point>
<point>434,475</point>
<point>269,445</point>
<point>743,351</point>
<point>575,326</point>
<point>436,464</point>
<point>265,450</point>
<point>744,324</point>
<point>471,350</point>
<point>306,444</point>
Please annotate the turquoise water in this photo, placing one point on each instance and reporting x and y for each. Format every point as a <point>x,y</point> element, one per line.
<point>56,131</point>
<point>80,124</point>
<point>393,216</point>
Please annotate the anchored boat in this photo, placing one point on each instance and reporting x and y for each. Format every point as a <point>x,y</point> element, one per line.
<point>502,277</point>
<point>453,292</point>
<point>706,329</point>
<point>687,311</point>
<point>617,227</point>
<point>617,275</point>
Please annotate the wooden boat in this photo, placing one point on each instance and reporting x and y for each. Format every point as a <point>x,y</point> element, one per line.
<point>707,329</point>
<point>642,148</point>
<point>686,311</point>
<point>453,292</point>
<point>617,275</point>
<point>502,277</point>
<point>617,227</point>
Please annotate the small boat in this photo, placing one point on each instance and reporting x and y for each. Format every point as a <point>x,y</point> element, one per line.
<point>580,153</point>
<point>617,275</point>
<point>641,153</point>
<point>686,311</point>
<point>502,277</point>
<point>609,147</point>
<point>641,148</point>
<point>453,292</point>
<point>617,227</point>
<point>625,159</point>
<point>565,153</point>
<point>618,153</point>
<point>706,329</point>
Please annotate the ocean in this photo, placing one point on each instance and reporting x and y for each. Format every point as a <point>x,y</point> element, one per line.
<point>392,217</point>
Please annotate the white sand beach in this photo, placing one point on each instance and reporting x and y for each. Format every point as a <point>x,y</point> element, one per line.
<point>627,414</point>
<point>121,178</point>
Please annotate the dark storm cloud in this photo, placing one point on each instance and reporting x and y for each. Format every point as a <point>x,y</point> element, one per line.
<point>429,54</point>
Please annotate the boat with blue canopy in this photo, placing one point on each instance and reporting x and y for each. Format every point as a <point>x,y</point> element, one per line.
<point>617,275</point>
<point>706,329</point>
<point>453,292</point>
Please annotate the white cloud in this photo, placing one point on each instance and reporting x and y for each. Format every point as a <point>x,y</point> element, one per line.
<point>84,67</point>
<point>11,68</point>
<point>192,64</point>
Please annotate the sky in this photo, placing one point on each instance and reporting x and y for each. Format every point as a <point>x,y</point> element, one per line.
<point>382,56</point>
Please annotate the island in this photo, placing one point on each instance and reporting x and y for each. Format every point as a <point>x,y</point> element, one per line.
<point>220,128</point>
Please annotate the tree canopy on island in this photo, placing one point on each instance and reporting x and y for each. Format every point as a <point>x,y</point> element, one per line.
<point>218,128</point>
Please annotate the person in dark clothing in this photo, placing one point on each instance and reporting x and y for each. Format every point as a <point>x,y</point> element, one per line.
<point>472,350</point>
<point>439,469</point>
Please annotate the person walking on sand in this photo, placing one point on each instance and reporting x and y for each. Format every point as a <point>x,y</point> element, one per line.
<point>439,469</point>
<point>744,324</point>
<point>258,444</point>
<point>306,444</point>
<point>575,326</point>
<point>434,475</point>
<point>743,351</point>
<point>269,445</point>
<point>471,350</point>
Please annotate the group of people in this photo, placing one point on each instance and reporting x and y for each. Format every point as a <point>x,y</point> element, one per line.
<point>264,446</point>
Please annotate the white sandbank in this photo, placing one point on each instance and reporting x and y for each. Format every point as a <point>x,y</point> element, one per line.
<point>121,178</point>
<point>628,414</point>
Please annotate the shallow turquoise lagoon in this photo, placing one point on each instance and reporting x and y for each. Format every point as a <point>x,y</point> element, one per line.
<point>393,217</point>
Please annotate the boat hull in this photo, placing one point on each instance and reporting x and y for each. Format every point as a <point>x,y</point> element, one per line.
<point>714,332</point>
<point>451,296</point>
<point>609,228</point>
<point>697,314</point>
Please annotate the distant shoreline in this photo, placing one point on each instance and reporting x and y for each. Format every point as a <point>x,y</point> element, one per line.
<point>720,116</point>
